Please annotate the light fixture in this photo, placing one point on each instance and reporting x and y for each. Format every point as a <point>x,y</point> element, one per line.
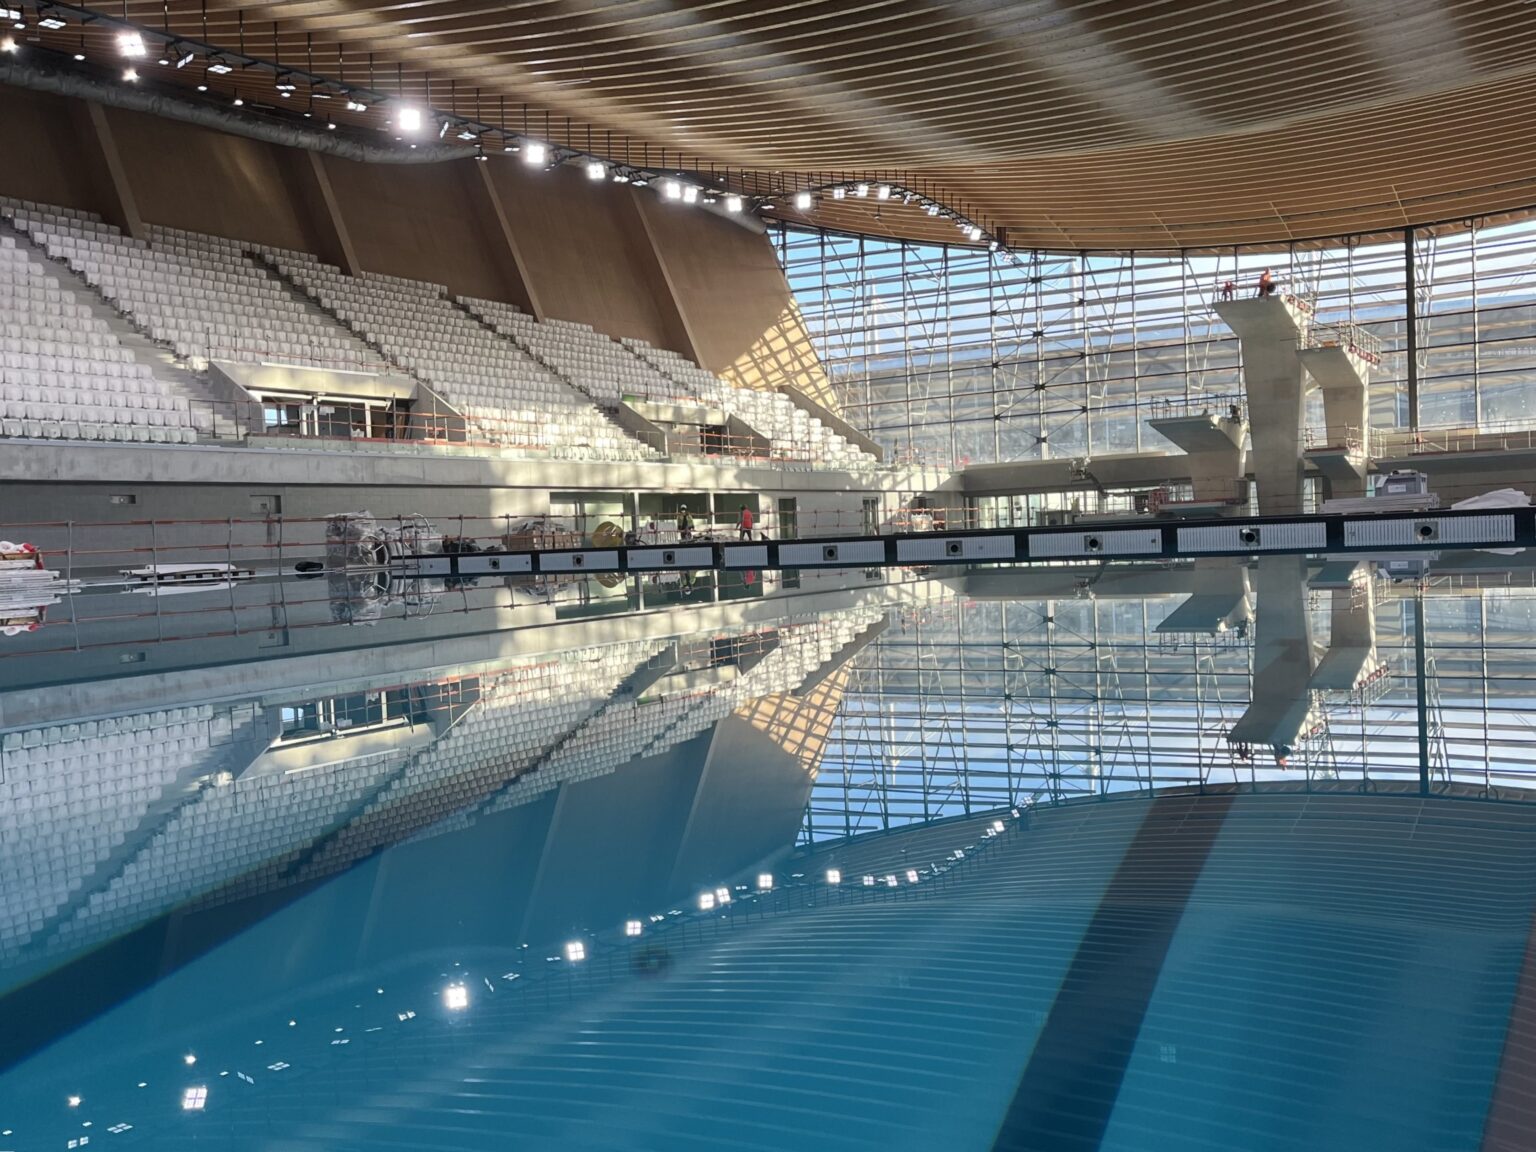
<point>456,997</point>
<point>10,13</point>
<point>409,119</point>
<point>633,927</point>
<point>194,1099</point>
<point>595,170</point>
<point>690,194</point>
<point>442,129</point>
<point>535,153</point>
<point>80,56</point>
<point>331,127</point>
<point>130,44</point>
<point>640,180</point>
<point>219,67</point>
<point>802,200</point>
<point>479,152</point>
<point>911,875</point>
<point>671,189</point>
<point>466,134</point>
<point>883,192</point>
<point>733,203</point>
<point>575,951</point>
<point>130,75</point>
<point>834,876</point>
<point>974,232</point>
<point>861,189</point>
<point>869,881</point>
<point>764,881</point>
<point>52,23</point>
<point>992,246</point>
<point>189,1059</point>
<point>202,87</point>
<point>356,106</point>
<point>722,895</point>
<point>9,45</point>
<point>237,101</point>
<point>998,825</point>
<point>933,209</point>
<point>619,175</point>
<point>706,901</point>
<point>839,192</point>
<point>509,147</point>
<point>74,1101</point>
<point>890,880</point>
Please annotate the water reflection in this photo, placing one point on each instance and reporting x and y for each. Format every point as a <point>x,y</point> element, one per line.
<point>582,878</point>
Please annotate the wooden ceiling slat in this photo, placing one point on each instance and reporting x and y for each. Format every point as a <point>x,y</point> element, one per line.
<point>1072,123</point>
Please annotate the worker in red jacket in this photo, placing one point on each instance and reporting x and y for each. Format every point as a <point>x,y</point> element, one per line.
<point>744,524</point>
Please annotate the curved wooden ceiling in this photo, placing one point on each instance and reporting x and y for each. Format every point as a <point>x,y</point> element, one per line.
<point>1069,123</point>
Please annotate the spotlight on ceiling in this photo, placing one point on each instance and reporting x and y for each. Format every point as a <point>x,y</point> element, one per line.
<point>237,102</point>
<point>633,927</point>
<point>671,189</point>
<point>466,134</point>
<point>509,146</point>
<point>535,153</point>
<point>219,67</point>
<point>974,232</point>
<point>861,189</point>
<point>596,170</point>
<point>883,192</point>
<point>733,204</point>
<point>690,194</point>
<point>409,119</point>
<point>575,951</point>
<point>442,130</point>
<point>194,1099</point>
<point>356,106</point>
<point>456,997</point>
<point>130,44</point>
<point>839,192</point>
<point>834,876</point>
<point>130,74</point>
<point>185,58</point>
<point>619,175</point>
<point>52,23</point>
<point>202,87</point>
<point>80,57</point>
<point>802,201</point>
<point>331,126</point>
<point>764,881</point>
<point>9,45</point>
<point>933,209</point>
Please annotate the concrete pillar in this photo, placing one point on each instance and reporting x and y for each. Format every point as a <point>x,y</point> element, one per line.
<point>1270,331</point>
<point>119,206</point>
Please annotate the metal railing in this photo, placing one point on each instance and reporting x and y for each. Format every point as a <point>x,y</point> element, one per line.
<point>1355,441</point>
<point>1347,335</point>
<point>1494,437</point>
<point>1226,405</point>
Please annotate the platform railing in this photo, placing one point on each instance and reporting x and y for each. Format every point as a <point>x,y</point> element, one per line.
<point>1346,335</point>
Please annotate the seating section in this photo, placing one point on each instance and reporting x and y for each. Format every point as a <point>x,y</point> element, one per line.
<point>541,386</point>
<point>612,371</point>
<point>70,795</point>
<point>511,398</point>
<point>63,373</point>
<point>601,367</point>
<point>794,436</point>
<point>199,295</point>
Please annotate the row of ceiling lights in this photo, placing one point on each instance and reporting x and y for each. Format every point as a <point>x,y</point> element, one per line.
<point>409,120</point>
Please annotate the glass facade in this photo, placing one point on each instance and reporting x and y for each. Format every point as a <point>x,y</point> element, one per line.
<point>952,355</point>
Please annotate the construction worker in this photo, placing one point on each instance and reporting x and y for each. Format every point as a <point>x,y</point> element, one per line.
<point>1266,285</point>
<point>744,524</point>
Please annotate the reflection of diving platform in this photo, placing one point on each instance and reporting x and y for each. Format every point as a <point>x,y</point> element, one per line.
<point>1351,658</point>
<point>1283,709</point>
<point>1218,602</point>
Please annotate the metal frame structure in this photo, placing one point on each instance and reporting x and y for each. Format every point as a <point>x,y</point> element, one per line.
<point>955,355</point>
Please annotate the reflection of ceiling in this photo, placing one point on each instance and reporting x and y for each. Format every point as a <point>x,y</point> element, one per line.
<point>1068,123</point>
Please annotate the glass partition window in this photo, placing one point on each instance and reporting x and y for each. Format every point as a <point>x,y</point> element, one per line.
<point>954,355</point>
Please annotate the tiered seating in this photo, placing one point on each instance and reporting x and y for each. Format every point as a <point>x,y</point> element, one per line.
<point>499,389</point>
<point>69,795</point>
<point>627,729</point>
<point>63,373</point>
<point>611,372</point>
<point>793,435</point>
<point>200,295</point>
<point>596,364</point>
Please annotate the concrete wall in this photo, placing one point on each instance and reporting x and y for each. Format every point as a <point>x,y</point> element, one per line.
<point>617,258</point>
